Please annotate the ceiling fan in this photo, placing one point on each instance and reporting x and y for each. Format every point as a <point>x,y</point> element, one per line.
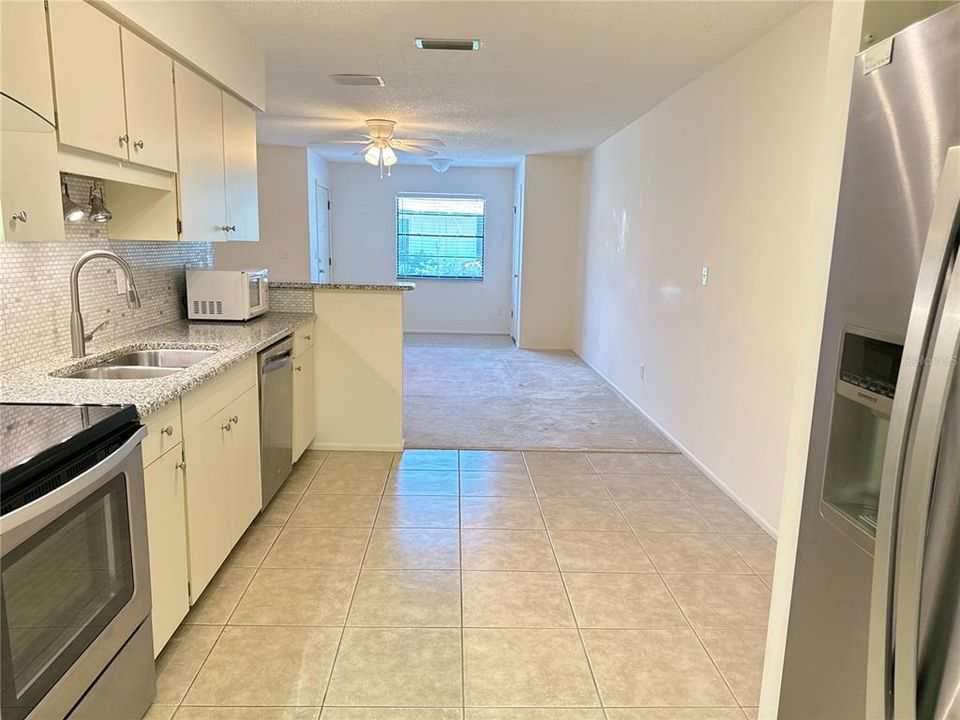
<point>380,147</point>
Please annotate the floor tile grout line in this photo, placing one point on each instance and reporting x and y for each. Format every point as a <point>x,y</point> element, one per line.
<point>353,595</point>
<point>566,592</point>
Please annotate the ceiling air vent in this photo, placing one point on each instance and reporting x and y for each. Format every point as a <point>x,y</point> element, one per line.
<point>441,44</point>
<point>358,80</point>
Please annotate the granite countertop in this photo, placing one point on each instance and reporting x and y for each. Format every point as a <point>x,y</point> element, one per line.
<point>233,341</point>
<point>366,287</point>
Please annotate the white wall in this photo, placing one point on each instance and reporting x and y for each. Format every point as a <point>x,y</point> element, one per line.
<point>723,173</point>
<point>550,236</point>
<point>283,187</point>
<point>363,232</point>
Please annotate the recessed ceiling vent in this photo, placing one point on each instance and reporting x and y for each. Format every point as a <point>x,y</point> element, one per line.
<point>446,44</point>
<point>358,80</point>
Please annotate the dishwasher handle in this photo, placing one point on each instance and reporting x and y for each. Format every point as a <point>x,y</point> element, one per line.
<point>276,363</point>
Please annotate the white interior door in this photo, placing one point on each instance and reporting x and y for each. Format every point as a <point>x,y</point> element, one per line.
<point>517,246</point>
<point>324,260</point>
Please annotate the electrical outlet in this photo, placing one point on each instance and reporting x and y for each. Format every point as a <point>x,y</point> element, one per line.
<point>704,275</point>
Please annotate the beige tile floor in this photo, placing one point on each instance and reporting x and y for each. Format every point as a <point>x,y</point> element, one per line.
<point>481,585</point>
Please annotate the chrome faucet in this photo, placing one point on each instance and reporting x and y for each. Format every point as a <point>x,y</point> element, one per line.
<point>78,338</point>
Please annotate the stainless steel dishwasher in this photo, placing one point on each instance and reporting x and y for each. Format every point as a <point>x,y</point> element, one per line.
<point>276,416</point>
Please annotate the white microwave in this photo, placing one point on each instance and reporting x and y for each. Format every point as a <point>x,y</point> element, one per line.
<point>227,294</point>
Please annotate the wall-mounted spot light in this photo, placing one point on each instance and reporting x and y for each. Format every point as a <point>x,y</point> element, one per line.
<point>72,212</point>
<point>98,210</point>
<point>440,164</point>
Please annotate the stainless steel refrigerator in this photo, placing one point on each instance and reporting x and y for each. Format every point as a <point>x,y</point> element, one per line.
<point>874,627</point>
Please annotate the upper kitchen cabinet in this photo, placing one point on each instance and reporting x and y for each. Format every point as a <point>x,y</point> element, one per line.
<point>217,146</point>
<point>29,179</point>
<point>88,77</point>
<point>200,147</point>
<point>240,169</point>
<point>114,92</point>
<point>148,90</point>
<point>25,65</point>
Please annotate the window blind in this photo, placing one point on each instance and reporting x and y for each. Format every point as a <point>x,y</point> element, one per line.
<point>440,236</point>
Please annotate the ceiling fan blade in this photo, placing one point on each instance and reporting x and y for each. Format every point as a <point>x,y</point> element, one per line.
<point>365,141</point>
<point>414,150</point>
<point>420,141</point>
<point>363,150</point>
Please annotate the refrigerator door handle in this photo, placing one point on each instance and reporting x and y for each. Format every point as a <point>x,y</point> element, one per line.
<point>887,553</point>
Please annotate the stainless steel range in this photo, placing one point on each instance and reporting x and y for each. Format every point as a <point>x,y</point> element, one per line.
<point>75,635</point>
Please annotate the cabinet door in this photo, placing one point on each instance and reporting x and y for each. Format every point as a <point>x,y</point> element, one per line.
<point>88,77</point>
<point>304,402</point>
<point>30,186</point>
<point>167,542</point>
<point>148,90</point>
<point>25,56</point>
<point>200,155</point>
<point>208,531</point>
<point>240,169</point>
<point>243,480</point>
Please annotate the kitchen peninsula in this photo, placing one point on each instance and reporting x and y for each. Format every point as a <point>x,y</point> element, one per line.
<point>359,362</point>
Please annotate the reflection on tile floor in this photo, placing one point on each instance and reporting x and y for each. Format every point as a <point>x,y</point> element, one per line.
<point>481,585</point>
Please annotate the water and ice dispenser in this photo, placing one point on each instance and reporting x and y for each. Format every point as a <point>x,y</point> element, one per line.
<point>865,383</point>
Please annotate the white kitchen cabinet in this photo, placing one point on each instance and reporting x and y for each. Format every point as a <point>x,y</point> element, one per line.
<point>25,56</point>
<point>167,544</point>
<point>200,151</point>
<point>244,490</point>
<point>148,91</point>
<point>304,401</point>
<point>221,437</point>
<point>88,77</point>
<point>30,187</point>
<point>240,170</point>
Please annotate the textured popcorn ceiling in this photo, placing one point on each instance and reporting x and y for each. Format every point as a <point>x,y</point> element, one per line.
<point>551,77</point>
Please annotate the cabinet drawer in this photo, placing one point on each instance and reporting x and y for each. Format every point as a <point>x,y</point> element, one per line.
<point>303,339</point>
<point>216,394</point>
<point>164,431</point>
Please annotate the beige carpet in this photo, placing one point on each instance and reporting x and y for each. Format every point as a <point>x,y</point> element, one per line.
<point>480,391</point>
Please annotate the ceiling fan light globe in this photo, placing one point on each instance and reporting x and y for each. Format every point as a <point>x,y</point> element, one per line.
<point>372,155</point>
<point>389,156</point>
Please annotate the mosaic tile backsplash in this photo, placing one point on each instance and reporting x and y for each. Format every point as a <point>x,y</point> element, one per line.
<point>35,289</point>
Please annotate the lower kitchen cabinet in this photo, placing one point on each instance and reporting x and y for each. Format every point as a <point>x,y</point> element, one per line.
<point>221,437</point>
<point>243,458</point>
<point>167,543</point>
<point>304,402</point>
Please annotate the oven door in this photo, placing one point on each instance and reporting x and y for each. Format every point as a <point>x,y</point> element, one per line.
<point>74,585</point>
<point>257,292</point>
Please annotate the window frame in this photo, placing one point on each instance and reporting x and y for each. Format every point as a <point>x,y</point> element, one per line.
<point>441,196</point>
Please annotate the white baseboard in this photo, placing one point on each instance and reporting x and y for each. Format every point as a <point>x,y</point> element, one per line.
<point>771,531</point>
<point>456,332</point>
<point>356,446</point>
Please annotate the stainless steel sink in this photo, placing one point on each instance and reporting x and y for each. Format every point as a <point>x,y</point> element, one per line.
<point>123,372</point>
<point>163,358</point>
<point>142,364</point>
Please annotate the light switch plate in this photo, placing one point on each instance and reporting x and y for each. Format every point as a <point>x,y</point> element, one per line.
<point>704,275</point>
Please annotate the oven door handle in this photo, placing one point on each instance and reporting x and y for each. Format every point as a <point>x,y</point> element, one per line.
<point>70,493</point>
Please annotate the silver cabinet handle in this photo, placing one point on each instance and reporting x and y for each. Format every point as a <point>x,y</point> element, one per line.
<point>235,420</point>
<point>307,337</point>
<point>138,145</point>
<point>181,466</point>
<point>226,426</point>
<point>298,368</point>
<point>230,228</point>
<point>124,139</point>
<point>20,216</point>
<point>168,430</point>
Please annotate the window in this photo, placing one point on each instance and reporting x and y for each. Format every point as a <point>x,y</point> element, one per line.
<point>440,236</point>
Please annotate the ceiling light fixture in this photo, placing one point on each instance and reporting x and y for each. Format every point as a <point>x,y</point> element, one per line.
<point>72,212</point>
<point>446,44</point>
<point>98,209</point>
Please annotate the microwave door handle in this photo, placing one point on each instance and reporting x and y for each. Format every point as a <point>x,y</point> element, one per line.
<point>930,282</point>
